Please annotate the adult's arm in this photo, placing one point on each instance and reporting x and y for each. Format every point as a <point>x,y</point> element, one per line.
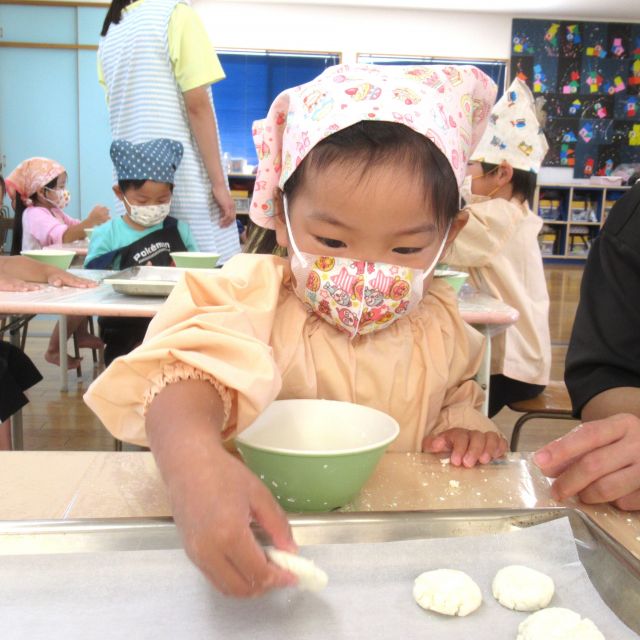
<point>203,125</point>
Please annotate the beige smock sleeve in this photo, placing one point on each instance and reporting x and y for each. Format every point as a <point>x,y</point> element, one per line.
<point>488,229</point>
<point>463,399</point>
<point>212,327</point>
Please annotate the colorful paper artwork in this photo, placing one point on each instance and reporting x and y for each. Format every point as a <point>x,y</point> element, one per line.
<point>539,79</point>
<point>586,133</point>
<point>589,74</point>
<point>617,49</point>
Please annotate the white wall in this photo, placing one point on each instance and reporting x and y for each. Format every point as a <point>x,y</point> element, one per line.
<point>350,30</point>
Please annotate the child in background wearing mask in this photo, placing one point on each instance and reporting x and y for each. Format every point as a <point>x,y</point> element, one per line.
<point>37,188</point>
<point>499,245</point>
<point>146,234</point>
<point>17,372</point>
<point>358,176</point>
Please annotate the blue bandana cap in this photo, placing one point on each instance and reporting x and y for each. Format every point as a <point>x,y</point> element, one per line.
<point>155,160</point>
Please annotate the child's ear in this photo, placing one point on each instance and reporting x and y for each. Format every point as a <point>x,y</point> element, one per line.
<point>118,191</point>
<point>282,237</point>
<point>505,173</point>
<point>457,225</point>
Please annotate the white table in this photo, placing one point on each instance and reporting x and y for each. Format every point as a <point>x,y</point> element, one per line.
<point>488,315</point>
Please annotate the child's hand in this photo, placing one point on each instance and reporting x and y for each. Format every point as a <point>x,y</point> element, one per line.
<point>98,215</point>
<point>15,284</point>
<point>213,506</point>
<point>467,448</point>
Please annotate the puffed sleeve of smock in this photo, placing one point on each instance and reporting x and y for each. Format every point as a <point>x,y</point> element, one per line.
<point>490,226</point>
<point>212,327</point>
<point>462,404</point>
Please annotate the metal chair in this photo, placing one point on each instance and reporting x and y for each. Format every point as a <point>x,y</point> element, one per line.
<point>553,403</point>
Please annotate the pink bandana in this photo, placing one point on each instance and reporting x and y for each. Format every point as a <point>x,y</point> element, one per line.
<point>31,175</point>
<point>447,104</point>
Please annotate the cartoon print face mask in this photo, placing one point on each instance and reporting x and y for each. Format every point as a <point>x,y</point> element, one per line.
<point>148,215</point>
<point>356,296</point>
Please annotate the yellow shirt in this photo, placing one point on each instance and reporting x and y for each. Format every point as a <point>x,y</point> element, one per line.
<point>193,58</point>
<point>245,331</point>
<point>499,248</point>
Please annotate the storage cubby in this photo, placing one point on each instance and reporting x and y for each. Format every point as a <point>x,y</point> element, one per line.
<point>573,216</point>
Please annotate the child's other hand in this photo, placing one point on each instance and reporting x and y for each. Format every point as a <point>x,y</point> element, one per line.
<point>213,506</point>
<point>15,284</point>
<point>466,447</point>
<point>98,215</point>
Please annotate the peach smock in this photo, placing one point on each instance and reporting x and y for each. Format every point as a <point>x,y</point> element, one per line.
<point>245,331</point>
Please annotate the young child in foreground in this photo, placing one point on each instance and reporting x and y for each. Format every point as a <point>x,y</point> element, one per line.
<point>499,244</point>
<point>358,175</point>
<point>145,235</point>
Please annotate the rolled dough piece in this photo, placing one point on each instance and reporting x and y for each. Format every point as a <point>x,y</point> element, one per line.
<point>310,577</point>
<point>522,589</point>
<point>447,591</point>
<point>558,624</point>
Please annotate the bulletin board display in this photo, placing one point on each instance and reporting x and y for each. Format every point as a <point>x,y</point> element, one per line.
<point>589,75</point>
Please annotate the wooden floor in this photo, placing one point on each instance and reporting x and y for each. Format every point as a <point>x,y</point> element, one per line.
<point>55,420</point>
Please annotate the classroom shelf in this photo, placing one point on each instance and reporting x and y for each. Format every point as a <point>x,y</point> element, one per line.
<point>573,216</point>
<point>241,186</point>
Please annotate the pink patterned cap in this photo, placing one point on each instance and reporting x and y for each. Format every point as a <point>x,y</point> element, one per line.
<point>447,104</point>
<point>30,175</point>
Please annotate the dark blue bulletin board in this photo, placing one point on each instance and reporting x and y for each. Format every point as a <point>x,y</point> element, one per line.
<point>589,74</point>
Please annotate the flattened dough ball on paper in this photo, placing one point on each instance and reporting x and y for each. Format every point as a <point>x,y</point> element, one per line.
<point>447,591</point>
<point>558,624</point>
<point>310,577</point>
<point>521,588</point>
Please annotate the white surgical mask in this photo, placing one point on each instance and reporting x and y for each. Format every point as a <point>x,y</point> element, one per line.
<point>356,296</point>
<point>474,198</point>
<point>148,215</point>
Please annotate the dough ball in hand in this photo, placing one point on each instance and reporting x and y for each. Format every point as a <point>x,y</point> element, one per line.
<point>521,588</point>
<point>447,591</point>
<point>558,624</point>
<point>310,577</point>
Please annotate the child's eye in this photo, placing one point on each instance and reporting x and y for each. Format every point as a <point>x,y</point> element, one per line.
<point>407,250</point>
<point>329,242</point>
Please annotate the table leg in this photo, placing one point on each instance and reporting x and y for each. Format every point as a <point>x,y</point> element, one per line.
<point>17,442</point>
<point>64,363</point>
<point>484,374</point>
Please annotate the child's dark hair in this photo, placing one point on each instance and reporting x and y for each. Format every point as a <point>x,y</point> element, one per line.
<point>20,206</point>
<point>523,183</point>
<point>369,144</point>
<point>125,185</point>
<point>3,186</point>
<point>114,14</point>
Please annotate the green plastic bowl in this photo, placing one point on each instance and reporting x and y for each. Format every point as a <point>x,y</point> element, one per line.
<point>315,455</point>
<point>195,259</point>
<point>455,279</point>
<point>56,257</point>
